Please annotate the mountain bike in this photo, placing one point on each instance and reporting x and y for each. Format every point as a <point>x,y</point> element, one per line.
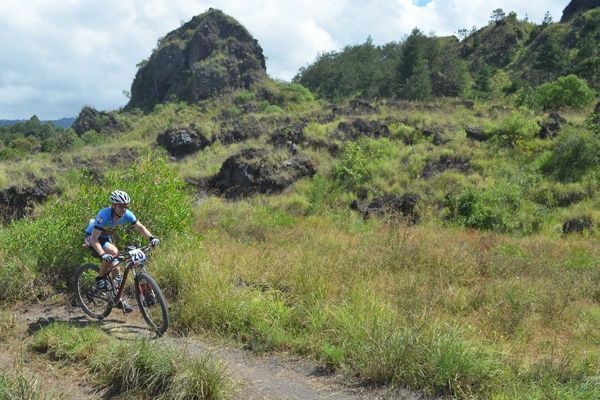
<point>98,304</point>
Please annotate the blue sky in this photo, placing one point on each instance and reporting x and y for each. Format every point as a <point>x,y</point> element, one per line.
<point>58,56</point>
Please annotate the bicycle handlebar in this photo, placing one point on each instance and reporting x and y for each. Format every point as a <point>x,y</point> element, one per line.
<point>125,254</point>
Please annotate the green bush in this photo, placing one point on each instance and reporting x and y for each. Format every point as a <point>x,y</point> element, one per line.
<point>566,92</point>
<point>557,194</point>
<point>575,153</point>
<point>244,96</point>
<point>490,210</point>
<point>93,138</point>
<point>592,123</point>
<point>61,142</point>
<point>292,93</point>
<point>29,144</point>
<point>51,244</point>
<point>360,161</point>
<point>7,154</point>
<point>516,130</point>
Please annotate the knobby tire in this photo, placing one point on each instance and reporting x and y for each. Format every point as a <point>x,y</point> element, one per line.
<point>93,302</point>
<point>151,302</point>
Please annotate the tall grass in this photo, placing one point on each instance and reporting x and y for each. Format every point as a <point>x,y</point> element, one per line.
<point>452,312</point>
<point>18,381</point>
<point>17,384</point>
<point>141,369</point>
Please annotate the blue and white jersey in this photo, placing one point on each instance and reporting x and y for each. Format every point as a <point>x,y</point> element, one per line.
<point>106,223</point>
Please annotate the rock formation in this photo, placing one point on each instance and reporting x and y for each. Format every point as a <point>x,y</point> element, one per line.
<point>209,55</point>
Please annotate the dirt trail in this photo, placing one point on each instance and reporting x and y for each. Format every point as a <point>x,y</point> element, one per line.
<point>259,377</point>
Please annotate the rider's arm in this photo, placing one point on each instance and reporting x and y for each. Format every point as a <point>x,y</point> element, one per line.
<point>94,240</point>
<point>142,229</point>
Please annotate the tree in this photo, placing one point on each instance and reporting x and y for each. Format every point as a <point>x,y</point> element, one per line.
<point>412,73</point>
<point>448,70</point>
<point>496,16</point>
<point>462,34</point>
<point>418,85</point>
<point>33,127</point>
<point>363,70</point>
<point>552,57</point>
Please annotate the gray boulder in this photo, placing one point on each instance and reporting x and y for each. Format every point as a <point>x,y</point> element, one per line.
<point>181,142</point>
<point>254,171</point>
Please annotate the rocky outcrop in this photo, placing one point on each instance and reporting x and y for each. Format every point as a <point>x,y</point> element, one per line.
<point>578,225</point>
<point>240,131</point>
<point>289,137</point>
<point>90,119</point>
<point>360,127</point>
<point>17,202</point>
<point>576,7</point>
<point>255,171</point>
<point>181,142</point>
<point>552,126</point>
<point>209,55</point>
<point>476,133</point>
<point>403,207</point>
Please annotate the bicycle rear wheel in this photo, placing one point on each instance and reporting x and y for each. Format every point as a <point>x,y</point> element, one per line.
<point>151,302</point>
<point>94,303</point>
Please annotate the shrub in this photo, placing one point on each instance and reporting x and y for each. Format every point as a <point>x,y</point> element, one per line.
<point>592,122</point>
<point>490,210</point>
<point>292,93</point>
<point>576,152</point>
<point>7,154</point>
<point>29,144</point>
<point>567,92</point>
<point>244,96</point>
<point>360,161</point>
<point>517,129</point>
<point>61,142</point>
<point>93,138</point>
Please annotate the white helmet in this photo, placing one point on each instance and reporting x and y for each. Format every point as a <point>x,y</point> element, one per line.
<point>119,197</point>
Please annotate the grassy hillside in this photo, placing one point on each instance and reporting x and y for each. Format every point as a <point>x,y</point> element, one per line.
<point>482,297</point>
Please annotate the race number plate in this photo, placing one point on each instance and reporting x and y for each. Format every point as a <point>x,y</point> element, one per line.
<point>137,256</point>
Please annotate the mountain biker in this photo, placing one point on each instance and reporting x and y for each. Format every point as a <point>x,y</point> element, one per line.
<point>98,238</point>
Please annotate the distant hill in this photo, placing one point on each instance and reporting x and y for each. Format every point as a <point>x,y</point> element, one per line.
<point>64,122</point>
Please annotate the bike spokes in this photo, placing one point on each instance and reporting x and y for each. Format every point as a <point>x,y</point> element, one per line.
<point>151,303</point>
<point>93,302</point>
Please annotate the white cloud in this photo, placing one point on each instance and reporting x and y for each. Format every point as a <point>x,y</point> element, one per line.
<point>58,56</point>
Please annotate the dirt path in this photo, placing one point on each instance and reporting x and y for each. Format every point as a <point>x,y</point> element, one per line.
<point>259,378</point>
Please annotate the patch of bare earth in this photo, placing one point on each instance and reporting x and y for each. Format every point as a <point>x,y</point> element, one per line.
<point>257,377</point>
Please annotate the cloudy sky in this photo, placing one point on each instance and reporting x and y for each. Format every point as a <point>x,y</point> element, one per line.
<point>58,56</point>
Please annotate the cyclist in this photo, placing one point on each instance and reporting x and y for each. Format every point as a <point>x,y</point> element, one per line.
<point>98,238</point>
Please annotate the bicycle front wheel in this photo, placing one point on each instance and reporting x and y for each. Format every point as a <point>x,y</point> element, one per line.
<point>94,303</point>
<point>151,302</point>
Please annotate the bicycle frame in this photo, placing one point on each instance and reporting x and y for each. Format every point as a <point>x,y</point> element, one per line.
<point>130,264</point>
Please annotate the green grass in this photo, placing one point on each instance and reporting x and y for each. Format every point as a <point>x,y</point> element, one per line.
<point>493,303</point>
<point>447,311</point>
<point>20,385</point>
<point>139,369</point>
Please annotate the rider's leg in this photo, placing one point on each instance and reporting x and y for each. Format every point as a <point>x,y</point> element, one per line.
<point>105,266</point>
